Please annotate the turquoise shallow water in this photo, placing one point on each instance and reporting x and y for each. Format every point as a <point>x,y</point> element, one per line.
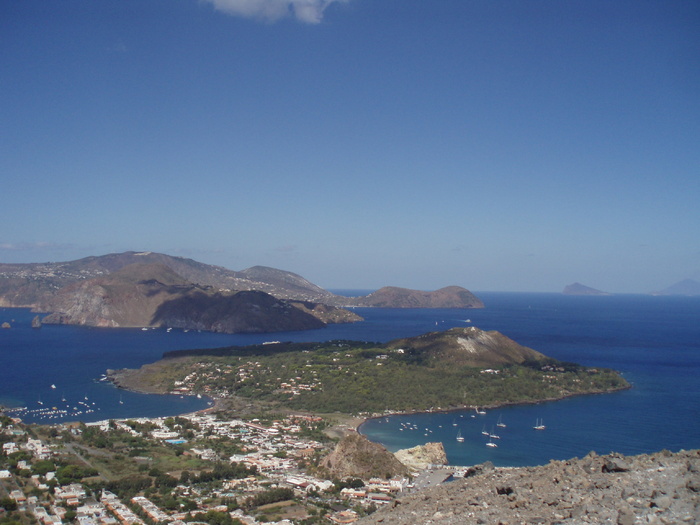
<point>653,341</point>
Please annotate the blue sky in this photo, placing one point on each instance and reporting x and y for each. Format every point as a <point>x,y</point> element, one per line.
<point>496,145</point>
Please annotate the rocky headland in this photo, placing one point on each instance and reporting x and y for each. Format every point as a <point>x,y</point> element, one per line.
<point>659,488</point>
<point>422,456</point>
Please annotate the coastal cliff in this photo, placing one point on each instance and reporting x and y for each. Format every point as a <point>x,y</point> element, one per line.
<point>153,295</point>
<point>422,456</point>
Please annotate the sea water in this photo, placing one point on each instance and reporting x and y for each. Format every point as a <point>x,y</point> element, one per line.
<point>653,341</point>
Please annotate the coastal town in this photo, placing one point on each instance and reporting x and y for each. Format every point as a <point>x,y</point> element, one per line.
<point>222,471</point>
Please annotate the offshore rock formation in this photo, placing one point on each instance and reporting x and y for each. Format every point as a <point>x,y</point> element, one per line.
<point>660,488</point>
<point>422,456</point>
<point>357,456</point>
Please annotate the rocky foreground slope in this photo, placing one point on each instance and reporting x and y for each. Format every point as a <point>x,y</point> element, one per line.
<point>660,488</point>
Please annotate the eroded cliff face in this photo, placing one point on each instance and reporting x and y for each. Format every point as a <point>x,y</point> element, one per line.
<point>152,295</point>
<point>421,456</point>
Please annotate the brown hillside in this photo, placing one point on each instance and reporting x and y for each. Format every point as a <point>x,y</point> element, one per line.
<point>469,346</point>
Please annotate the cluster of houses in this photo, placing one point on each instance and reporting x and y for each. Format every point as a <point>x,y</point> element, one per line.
<point>276,449</point>
<point>200,379</point>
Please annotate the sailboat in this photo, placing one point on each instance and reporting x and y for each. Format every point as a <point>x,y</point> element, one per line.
<point>121,401</point>
<point>480,412</point>
<point>500,423</point>
<point>539,424</point>
<point>460,438</point>
<point>491,443</point>
<point>494,436</point>
<point>454,422</point>
<point>484,431</point>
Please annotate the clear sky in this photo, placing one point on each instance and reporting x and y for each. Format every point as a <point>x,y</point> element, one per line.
<point>496,145</point>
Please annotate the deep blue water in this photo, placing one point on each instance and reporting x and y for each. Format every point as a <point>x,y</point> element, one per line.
<point>653,341</point>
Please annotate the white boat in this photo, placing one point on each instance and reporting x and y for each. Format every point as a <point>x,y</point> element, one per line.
<point>454,422</point>
<point>53,387</point>
<point>484,431</point>
<point>500,423</point>
<point>480,412</point>
<point>539,424</point>
<point>491,444</point>
<point>460,438</point>
<point>494,436</point>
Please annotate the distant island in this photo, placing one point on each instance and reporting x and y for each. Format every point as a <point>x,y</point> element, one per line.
<point>580,289</point>
<point>146,289</point>
<point>457,368</point>
<point>688,287</point>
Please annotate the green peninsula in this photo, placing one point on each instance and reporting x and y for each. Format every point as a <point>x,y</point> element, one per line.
<point>461,367</point>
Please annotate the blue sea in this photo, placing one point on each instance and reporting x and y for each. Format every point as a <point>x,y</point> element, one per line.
<point>653,341</point>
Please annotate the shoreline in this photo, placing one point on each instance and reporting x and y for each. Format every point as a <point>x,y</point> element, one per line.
<point>492,406</point>
<point>116,377</point>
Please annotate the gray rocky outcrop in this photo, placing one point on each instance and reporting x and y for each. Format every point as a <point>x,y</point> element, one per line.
<point>660,488</point>
<point>422,456</point>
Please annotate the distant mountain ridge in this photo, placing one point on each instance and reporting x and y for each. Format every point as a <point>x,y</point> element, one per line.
<point>685,287</point>
<point>32,284</point>
<point>580,289</point>
<point>35,285</point>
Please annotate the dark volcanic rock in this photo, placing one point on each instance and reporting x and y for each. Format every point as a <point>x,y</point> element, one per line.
<point>237,313</point>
